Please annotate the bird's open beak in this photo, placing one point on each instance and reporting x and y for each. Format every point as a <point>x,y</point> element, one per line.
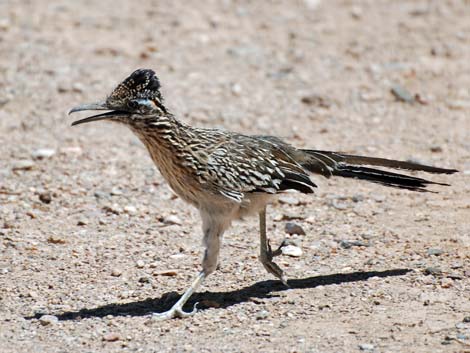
<point>97,106</point>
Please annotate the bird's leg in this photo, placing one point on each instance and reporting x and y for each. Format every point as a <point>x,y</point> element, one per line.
<point>212,238</point>
<point>266,253</point>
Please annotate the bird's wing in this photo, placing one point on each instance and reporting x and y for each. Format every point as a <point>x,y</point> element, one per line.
<point>243,164</point>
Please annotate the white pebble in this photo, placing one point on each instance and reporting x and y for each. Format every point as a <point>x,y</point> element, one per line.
<point>292,250</point>
<point>42,153</point>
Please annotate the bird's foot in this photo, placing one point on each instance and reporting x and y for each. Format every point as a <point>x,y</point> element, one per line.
<point>176,311</point>
<point>274,269</point>
<point>270,266</point>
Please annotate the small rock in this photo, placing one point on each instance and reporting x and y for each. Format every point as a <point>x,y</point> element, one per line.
<point>339,205</point>
<point>291,250</point>
<point>294,228</point>
<point>316,100</point>
<point>24,164</point>
<point>114,208</point>
<point>111,337</point>
<point>144,279</point>
<point>172,220</point>
<point>435,252</point>
<point>236,89</point>
<point>366,347</point>
<point>435,271</point>
<point>458,105</point>
<point>402,94</point>
<point>466,319</point>
<point>436,149</point>
<point>378,197</point>
<point>55,240</point>
<point>48,320</point>
<point>289,200</point>
<point>100,194</point>
<point>455,276</point>
<point>131,210</point>
<point>116,272</point>
<point>140,264</point>
<point>82,222</point>
<point>446,282</point>
<point>169,273</point>
<point>116,192</point>
<point>357,198</point>
<point>177,256</point>
<point>289,217</point>
<point>42,153</point>
<point>261,315</point>
<point>356,12</point>
<point>45,197</point>
<point>347,244</point>
<point>72,150</point>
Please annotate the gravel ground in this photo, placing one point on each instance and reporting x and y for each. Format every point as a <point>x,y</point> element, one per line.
<point>92,240</point>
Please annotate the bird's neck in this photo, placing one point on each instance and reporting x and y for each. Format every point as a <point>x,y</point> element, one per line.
<point>163,134</point>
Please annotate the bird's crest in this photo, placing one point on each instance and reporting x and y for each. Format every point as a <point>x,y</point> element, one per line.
<point>142,83</point>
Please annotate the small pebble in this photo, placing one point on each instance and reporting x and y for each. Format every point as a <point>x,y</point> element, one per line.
<point>294,228</point>
<point>356,12</point>
<point>116,272</point>
<point>144,280</point>
<point>116,192</point>
<point>140,264</point>
<point>458,104</point>
<point>435,271</point>
<point>42,153</point>
<point>172,220</point>
<point>55,240</point>
<point>130,210</point>
<point>446,282</point>
<point>48,320</point>
<point>466,319</point>
<point>72,150</point>
<point>82,222</point>
<point>261,315</point>
<point>366,347</point>
<point>236,89</point>
<point>402,94</point>
<point>435,252</point>
<point>289,200</point>
<point>169,273</point>
<point>292,250</point>
<point>111,337</point>
<point>347,244</point>
<point>45,197</point>
<point>24,164</point>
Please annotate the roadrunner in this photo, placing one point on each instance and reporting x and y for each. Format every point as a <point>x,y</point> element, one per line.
<point>227,175</point>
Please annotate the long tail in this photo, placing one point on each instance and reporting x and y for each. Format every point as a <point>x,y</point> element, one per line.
<point>351,166</point>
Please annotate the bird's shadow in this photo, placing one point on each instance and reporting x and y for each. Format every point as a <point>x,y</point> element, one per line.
<point>259,290</point>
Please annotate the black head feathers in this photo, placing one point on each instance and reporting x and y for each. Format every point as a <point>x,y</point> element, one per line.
<point>142,83</point>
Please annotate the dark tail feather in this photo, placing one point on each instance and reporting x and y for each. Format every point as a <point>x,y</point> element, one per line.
<point>350,166</point>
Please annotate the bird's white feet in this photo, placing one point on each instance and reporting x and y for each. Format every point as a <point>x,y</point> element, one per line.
<point>176,311</point>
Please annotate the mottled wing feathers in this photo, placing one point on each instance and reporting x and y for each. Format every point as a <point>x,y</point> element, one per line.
<point>242,164</point>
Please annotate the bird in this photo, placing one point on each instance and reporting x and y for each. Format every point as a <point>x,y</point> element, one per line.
<point>228,176</point>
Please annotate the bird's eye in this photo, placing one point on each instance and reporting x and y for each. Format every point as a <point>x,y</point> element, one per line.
<point>133,105</point>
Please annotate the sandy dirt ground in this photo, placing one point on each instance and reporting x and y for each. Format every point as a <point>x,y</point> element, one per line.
<point>92,240</point>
